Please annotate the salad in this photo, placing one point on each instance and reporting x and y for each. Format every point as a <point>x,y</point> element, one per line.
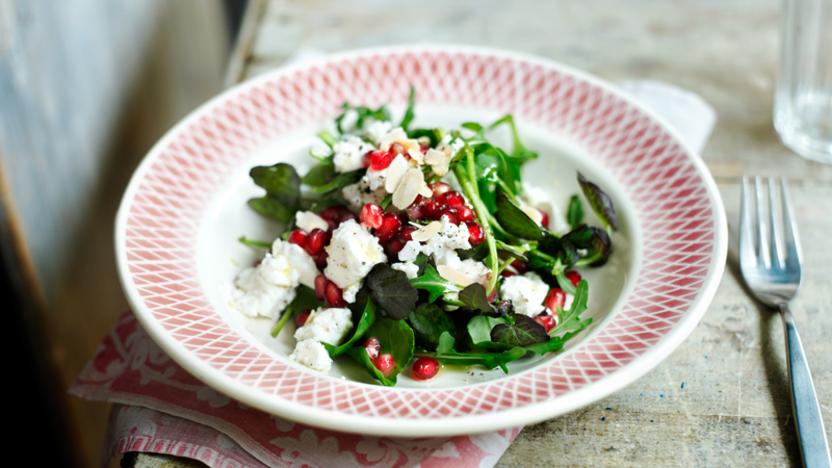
<point>409,249</point>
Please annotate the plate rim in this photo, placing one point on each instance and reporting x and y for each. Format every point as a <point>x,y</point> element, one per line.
<point>447,426</point>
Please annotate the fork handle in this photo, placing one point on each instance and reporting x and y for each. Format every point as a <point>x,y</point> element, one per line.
<point>807,416</point>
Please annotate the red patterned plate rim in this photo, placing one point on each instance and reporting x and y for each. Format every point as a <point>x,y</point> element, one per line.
<point>670,186</point>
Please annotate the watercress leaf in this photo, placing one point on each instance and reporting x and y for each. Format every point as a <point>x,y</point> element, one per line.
<point>474,297</point>
<point>362,114</point>
<point>255,244</point>
<point>429,323</point>
<point>575,211</point>
<point>524,331</point>
<point>281,182</point>
<point>554,343</point>
<point>600,202</point>
<point>305,298</point>
<point>368,318</point>
<point>569,320</point>
<point>519,152</point>
<point>408,113</point>
<point>328,138</point>
<point>479,330</point>
<point>488,360</point>
<point>446,342</point>
<point>514,220</point>
<point>339,181</point>
<point>359,354</point>
<point>432,282</point>
<point>320,174</point>
<point>392,291</point>
<point>434,134</point>
<point>595,241</point>
<point>395,337</point>
<point>560,248</point>
<point>272,208</point>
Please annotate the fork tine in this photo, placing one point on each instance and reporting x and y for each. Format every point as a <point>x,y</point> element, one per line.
<point>774,229</point>
<point>762,235</point>
<point>747,255</point>
<point>790,237</point>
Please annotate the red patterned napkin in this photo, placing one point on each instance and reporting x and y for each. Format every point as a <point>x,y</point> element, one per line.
<point>173,413</point>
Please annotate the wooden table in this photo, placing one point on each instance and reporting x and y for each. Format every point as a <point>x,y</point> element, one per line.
<point>721,398</point>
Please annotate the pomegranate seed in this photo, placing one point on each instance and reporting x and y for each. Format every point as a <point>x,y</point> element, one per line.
<point>302,317</point>
<point>406,234</point>
<point>465,214</point>
<point>424,148</point>
<point>451,214</point>
<point>544,218</point>
<point>548,321</point>
<point>320,286</point>
<point>425,368</point>
<point>320,260</point>
<point>574,277</point>
<point>393,247</point>
<point>476,235</point>
<point>396,149</point>
<point>439,188</point>
<point>335,215</point>
<point>371,215</point>
<point>520,266</point>
<point>380,160</point>
<point>555,299</point>
<point>506,273</point>
<point>416,209</point>
<point>431,209</point>
<point>385,363</point>
<point>390,225</point>
<point>372,346</point>
<point>315,241</point>
<point>297,237</point>
<point>451,199</point>
<point>333,295</point>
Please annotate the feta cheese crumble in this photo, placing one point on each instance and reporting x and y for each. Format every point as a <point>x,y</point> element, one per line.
<point>323,326</point>
<point>526,293</point>
<point>312,354</point>
<point>265,290</point>
<point>308,221</point>
<point>348,154</point>
<point>352,253</point>
<point>326,325</point>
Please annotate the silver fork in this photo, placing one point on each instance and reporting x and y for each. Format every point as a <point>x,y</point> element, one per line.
<point>770,260</point>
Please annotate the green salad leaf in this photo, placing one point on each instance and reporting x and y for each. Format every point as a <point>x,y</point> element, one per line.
<point>392,291</point>
<point>408,112</point>
<point>575,212</point>
<point>432,282</point>
<point>395,337</point>
<point>521,331</point>
<point>514,220</point>
<point>368,318</point>
<point>429,322</point>
<point>474,297</point>
<point>600,203</point>
<point>305,299</point>
<point>362,114</point>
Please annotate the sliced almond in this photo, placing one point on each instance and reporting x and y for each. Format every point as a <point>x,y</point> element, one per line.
<point>438,161</point>
<point>454,275</point>
<point>408,188</point>
<point>397,134</point>
<point>532,213</point>
<point>427,231</point>
<point>395,171</point>
<point>416,154</point>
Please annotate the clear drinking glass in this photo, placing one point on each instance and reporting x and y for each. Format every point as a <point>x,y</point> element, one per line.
<point>803,100</point>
